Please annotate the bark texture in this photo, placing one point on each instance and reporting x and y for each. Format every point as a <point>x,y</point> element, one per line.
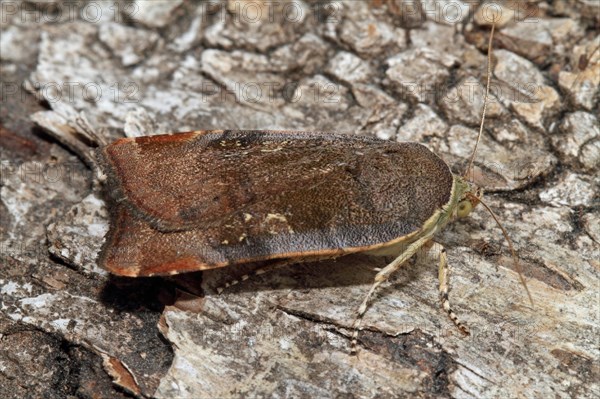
<point>397,70</point>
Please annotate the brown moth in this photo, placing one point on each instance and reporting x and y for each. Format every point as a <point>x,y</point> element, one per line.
<point>207,199</point>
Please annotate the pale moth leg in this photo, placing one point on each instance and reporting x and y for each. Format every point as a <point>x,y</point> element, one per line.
<point>245,277</point>
<point>381,277</point>
<point>268,268</point>
<point>443,276</point>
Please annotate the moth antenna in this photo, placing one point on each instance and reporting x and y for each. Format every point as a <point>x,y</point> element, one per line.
<point>485,101</point>
<point>518,267</point>
<point>587,59</point>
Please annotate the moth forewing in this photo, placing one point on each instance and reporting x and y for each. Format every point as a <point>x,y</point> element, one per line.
<point>237,200</point>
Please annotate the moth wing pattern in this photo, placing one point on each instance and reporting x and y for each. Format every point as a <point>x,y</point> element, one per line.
<point>214,198</point>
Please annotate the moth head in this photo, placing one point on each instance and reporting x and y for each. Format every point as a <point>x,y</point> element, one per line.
<point>469,201</point>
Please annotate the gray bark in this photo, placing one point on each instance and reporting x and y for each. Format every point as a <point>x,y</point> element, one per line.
<point>68,329</point>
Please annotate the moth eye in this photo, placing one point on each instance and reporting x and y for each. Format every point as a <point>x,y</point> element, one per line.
<point>464,208</point>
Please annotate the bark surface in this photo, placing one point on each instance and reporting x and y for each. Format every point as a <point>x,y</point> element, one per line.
<point>385,69</point>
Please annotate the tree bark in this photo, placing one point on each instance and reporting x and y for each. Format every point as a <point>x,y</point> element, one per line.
<point>384,68</point>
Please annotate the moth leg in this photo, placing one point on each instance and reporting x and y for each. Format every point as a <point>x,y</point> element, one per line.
<point>265,269</point>
<point>257,272</point>
<point>253,273</point>
<point>381,277</point>
<point>443,276</point>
